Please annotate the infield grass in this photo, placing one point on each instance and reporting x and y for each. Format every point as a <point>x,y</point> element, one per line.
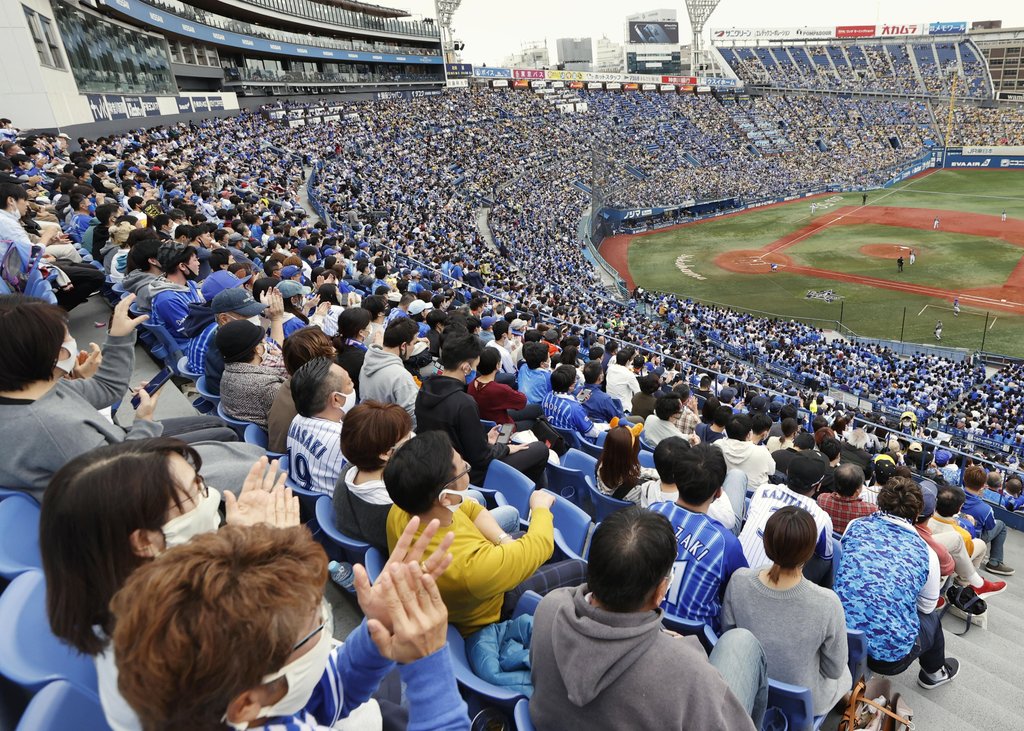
<point>946,260</point>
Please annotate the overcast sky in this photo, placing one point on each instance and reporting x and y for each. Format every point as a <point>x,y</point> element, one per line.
<point>492,29</point>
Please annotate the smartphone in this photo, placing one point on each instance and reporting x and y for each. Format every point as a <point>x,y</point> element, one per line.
<point>153,386</point>
<point>505,433</point>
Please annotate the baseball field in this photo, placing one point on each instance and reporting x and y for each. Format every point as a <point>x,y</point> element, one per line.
<point>840,261</point>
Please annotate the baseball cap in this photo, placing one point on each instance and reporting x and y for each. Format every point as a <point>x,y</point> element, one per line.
<point>885,470</point>
<point>289,271</point>
<point>929,494</point>
<point>727,395</point>
<point>942,457</point>
<point>237,300</point>
<point>805,470</point>
<point>759,404</point>
<point>487,322</point>
<point>219,281</point>
<point>235,237</point>
<point>291,288</point>
<point>774,407</point>
<point>915,447</point>
<point>518,327</point>
<point>416,307</point>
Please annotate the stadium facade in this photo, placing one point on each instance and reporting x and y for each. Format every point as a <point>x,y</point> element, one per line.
<point>75,62</point>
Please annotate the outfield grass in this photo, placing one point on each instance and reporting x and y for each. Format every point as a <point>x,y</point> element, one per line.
<point>946,260</point>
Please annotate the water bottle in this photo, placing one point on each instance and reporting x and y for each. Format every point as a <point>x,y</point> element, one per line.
<point>342,574</point>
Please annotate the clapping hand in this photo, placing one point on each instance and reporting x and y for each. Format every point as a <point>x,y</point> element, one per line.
<point>263,499</point>
<point>417,617</point>
<point>373,598</point>
<point>122,323</point>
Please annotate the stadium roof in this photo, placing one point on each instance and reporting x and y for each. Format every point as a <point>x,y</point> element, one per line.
<point>377,10</point>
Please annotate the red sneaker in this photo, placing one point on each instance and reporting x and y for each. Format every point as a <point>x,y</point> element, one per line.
<point>990,588</point>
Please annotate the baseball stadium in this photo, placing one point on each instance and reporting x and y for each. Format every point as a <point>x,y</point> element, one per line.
<point>375,368</point>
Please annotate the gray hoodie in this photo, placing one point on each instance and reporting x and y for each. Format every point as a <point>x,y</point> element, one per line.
<point>136,280</point>
<point>607,670</point>
<point>145,295</point>
<point>384,377</point>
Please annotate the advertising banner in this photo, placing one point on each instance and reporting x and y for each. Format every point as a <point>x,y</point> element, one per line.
<point>539,84</point>
<point>1011,96</point>
<point>649,87</point>
<point>947,29</point>
<point>1010,151</point>
<point>521,84</point>
<point>415,94</point>
<point>630,87</point>
<point>903,29</point>
<point>499,83</point>
<point>595,85</point>
<point>666,87</point>
<point>613,86</point>
<point>527,73</point>
<point>557,84</point>
<point>575,84</point>
<point>952,160</point>
<point>458,70</point>
<point>718,83</point>
<point>679,79</point>
<point>457,83</point>
<point>556,75</point>
<point>491,72</point>
<point>856,31</point>
<point>653,31</point>
<point>771,34</point>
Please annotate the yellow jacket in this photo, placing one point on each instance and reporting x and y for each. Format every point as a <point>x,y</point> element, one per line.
<point>949,524</point>
<point>473,587</point>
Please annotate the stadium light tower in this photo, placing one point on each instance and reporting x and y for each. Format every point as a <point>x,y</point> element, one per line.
<point>445,10</point>
<point>699,12</point>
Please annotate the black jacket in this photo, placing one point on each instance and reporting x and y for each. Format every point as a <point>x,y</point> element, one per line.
<point>443,404</point>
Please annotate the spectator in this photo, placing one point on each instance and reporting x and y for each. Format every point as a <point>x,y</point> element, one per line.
<point>498,402</point>
<point>801,626</point>
<point>384,376</point>
<point>687,420</point>
<point>883,469</point>
<point>620,381</point>
<point>300,347</point>
<point>804,477</point>
<point>350,342</point>
<point>48,419</point>
<point>490,570</point>
<point>266,585</point>
<point>373,432</point>
<point>854,452</point>
<point>619,473</point>
<point>742,454</point>
<point>643,402</point>
<point>535,372</point>
<point>563,410</point>
<point>323,394</point>
<point>789,427</point>
<point>708,553</point>
<point>888,582</point>
<point>803,442</point>
<point>110,511</point>
<point>715,430</point>
<point>598,404</point>
<point>659,425</point>
<point>597,647</point>
<point>947,524</point>
<point>845,504</point>
<point>990,530</point>
<point>171,295</point>
<point>248,387</point>
<point>443,404</point>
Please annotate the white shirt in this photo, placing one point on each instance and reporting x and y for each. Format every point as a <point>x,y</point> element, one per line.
<point>621,383</point>
<point>507,364</point>
<point>314,453</point>
<point>765,501</point>
<point>119,715</point>
<point>651,492</point>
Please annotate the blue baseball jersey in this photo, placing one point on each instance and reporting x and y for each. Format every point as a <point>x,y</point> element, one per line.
<point>707,555</point>
<point>565,412</point>
<point>984,518</point>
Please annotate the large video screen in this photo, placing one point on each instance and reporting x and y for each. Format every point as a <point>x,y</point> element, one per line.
<point>653,31</point>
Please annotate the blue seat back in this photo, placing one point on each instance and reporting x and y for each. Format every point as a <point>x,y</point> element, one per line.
<point>605,505</point>
<point>837,555</point>
<point>513,484</point>
<point>19,536</point>
<point>30,655</point>
<point>646,445</point>
<point>575,459</point>
<point>600,438</point>
<point>571,437</point>
<point>205,391</point>
<point>691,628</point>
<point>352,550</point>
<point>857,644</point>
<point>527,604</point>
<point>167,345</point>
<point>255,434</point>
<point>795,703</point>
<point>572,528</point>
<point>474,686</point>
<point>60,706</point>
<point>522,716</point>
<point>570,484</point>
<point>591,448</point>
<point>374,562</point>
<point>237,424</point>
<point>646,459</point>
<point>183,370</point>
<point>487,424</point>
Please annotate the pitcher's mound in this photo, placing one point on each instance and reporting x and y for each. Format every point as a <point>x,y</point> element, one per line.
<point>750,262</point>
<point>885,251</point>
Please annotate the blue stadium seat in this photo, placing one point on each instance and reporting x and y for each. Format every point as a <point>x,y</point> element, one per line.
<point>183,370</point>
<point>237,424</point>
<point>493,498</point>
<point>572,528</point>
<point>645,445</point>
<point>205,392</point>
<point>591,448</point>
<point>571,437</point>
<point>168,347</point>
<point>513,484</point>
<point>344,547</point>
<point>19,536</point>
<point>307,498</point>
<point>795,703</point>
<point>646,459</point>
<point>30,655</point>
<point>374,562</point>
<point>857,644</point>
<point>527,604</point>
<point>605,505</point>
<point>477,692</point>
<point>837,555</point>
<point>691,628</point>
<point>574,459</point>
<point>570,483</point>
<point>522,716</point>
<point>60,706</point>
<point>487,424</point>
<point>257,435</point>
<point>600,438</point>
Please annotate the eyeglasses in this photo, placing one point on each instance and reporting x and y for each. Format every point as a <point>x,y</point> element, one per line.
<point>457,477</point>
<point>325,616</point>
<point>202,491</point>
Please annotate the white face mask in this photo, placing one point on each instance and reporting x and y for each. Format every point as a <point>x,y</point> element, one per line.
<point>350,401</point>
<point>460,494</point>
<point>68,364</point>
<point>203,518</point>
<point>256,320</point>
<point>302,675</point>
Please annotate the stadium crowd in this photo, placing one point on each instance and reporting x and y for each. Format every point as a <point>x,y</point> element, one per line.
<point>915,68</point>
<point>366,347</point>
